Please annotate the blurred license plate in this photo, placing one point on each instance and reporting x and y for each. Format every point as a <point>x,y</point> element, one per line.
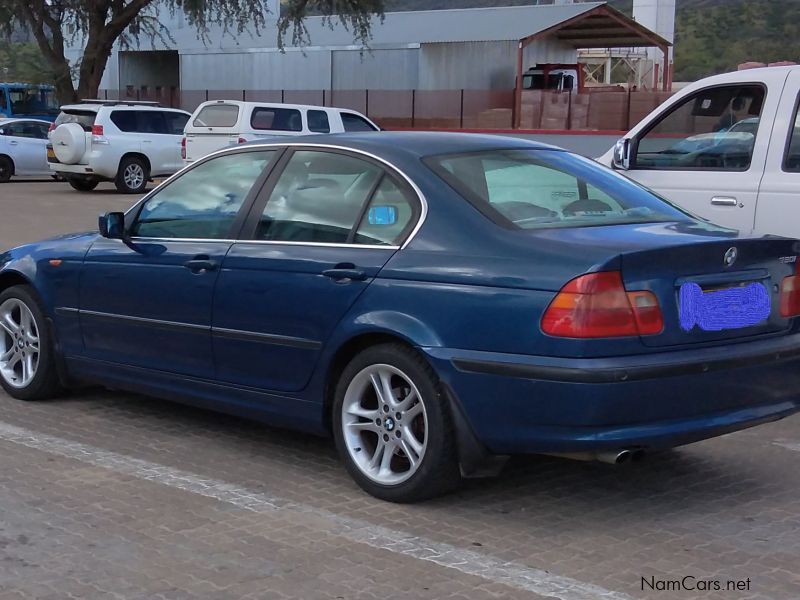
<point>725,308</point>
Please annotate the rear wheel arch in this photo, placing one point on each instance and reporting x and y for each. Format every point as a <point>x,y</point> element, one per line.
<point>342,357</point>
<point>138,155</point>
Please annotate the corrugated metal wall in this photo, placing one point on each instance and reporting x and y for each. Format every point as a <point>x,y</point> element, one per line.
<point>381,69</point>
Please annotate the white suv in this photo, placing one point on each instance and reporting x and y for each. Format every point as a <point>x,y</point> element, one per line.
<point>218,124</point>
<point>128,143</point>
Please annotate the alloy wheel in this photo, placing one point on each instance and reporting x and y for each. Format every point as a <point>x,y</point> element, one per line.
<point>19,343</point>
<point>133,176</point>
<point>384,424</point>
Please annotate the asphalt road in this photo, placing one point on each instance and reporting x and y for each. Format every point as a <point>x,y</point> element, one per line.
<point>111,495</point>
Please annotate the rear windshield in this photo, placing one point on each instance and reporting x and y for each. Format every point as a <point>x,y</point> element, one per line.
<point>84,118</point>
<point>217,115</point>
<point>276,119</point>
<point>529,189</point>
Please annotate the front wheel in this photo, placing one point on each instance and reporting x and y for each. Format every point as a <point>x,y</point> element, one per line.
<point>6,169</point>
<point>132,176</point>
<point>27,360</point>
<point>393,430</point>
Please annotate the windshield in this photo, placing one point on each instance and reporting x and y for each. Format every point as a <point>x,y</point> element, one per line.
<point>531,189</point>
<point>32,101</point>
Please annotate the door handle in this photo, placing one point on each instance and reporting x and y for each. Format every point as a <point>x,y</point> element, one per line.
<point>13,142</point>
<point>724,201</point>
<point>201,264</point>
<point>341,273</point>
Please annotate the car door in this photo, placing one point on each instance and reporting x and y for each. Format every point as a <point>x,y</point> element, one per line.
<point>26,146</point>
<point>692,156</point>
<point>778,209</point>
<point>145,300</point>
<point>158,143</point>
<point>324,226</point>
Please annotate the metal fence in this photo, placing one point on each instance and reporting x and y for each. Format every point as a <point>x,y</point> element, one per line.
<point>617,110</point>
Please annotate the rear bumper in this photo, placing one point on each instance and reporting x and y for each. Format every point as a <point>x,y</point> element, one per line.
<point>529,404</point>
<point>82,170</point>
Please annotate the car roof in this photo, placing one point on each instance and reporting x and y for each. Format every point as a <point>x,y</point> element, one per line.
<point>251,103</point>
<point>95,107</point>
<point>414,143</point>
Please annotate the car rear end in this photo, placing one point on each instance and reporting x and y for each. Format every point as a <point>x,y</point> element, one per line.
<point>624,329</point>
<point>74,139</point>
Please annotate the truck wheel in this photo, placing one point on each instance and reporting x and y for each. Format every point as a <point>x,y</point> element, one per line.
<point>132,176</point>
<point>393,430</point>
<point>83,185</point>
<point>6,169</point>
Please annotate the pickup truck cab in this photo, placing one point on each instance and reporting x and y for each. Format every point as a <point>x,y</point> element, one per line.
<point>726,148</point>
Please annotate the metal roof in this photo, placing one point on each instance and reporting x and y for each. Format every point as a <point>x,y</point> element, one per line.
<point>501,23</point>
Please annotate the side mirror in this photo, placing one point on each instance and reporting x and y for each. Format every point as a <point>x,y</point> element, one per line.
<point>622,154</point>
<point>112,225</point>
<point>382,215</point>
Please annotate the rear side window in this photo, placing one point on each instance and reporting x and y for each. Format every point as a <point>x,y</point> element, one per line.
<point>276,119</point>
<point>217,115</point>
<point>318,121</point>
<point>176,122</point>
<point>389,216</point>
<point>125,120</point>
<point>84,118</point>
<point>150,121</point>
<point>353,122</point>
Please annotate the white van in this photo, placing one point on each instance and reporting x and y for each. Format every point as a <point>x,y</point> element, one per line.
<point>726,148</point>
<point>218,124</point>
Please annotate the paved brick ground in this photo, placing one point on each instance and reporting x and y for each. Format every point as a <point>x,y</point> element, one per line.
<point>92,504</point>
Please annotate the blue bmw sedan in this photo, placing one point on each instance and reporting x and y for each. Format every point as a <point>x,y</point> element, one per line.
<point>434,301</point>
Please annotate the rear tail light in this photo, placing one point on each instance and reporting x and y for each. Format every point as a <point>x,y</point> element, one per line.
<point>242,140</point>
<point>597,305</point>
<point>97,135</point>
<point>51,128</point>
<point>183,148</point>
<point>790,296</point>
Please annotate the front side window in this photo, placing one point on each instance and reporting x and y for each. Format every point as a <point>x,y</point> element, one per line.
<point>319,198</point>
<point>276,119</point>
<point>714,129</point>
<point>530,189</point>
<point>318,121</point>
<point>353,122</point>
<point>791,162</point>
<point>203,202</point>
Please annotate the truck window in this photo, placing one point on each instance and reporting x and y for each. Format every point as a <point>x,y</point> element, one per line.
<point>217,115</point>
<point>318,121</point>
<point>791,161</point>
<point>353,122</point>
<point>276,119</point>
<point>714,129</point>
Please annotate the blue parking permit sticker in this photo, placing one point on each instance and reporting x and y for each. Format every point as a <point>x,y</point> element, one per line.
<point>731,308</point>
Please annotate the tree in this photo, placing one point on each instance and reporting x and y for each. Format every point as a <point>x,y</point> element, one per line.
<point>102,23</point>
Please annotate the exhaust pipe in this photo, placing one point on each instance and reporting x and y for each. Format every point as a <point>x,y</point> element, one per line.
<point>611,457</point>
<point>614,457</point>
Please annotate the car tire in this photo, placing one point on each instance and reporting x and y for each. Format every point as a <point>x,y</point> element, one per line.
<point>27,353</point>
<point>132,176</point>
<point>83,185</point>
<point>417,425</point>
<point>6,169</point>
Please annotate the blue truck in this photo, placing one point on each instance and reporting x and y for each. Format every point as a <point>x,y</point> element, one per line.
<point>28,100</point>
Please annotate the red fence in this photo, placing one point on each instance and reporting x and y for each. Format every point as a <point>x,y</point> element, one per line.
<point>442,109</point>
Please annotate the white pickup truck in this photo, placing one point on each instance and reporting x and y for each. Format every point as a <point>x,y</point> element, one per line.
<point>727,148</point>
